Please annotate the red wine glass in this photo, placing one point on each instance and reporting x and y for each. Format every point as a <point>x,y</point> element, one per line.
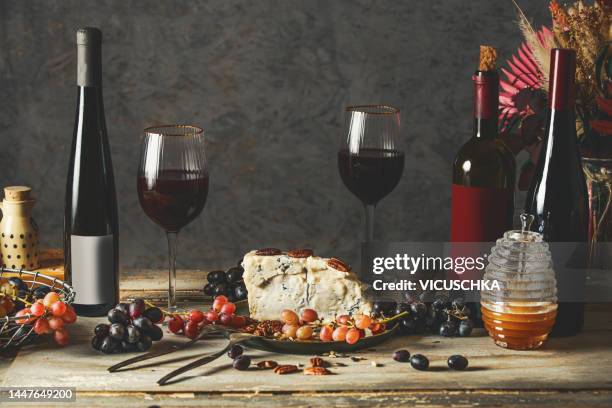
<point>172,184</point>
<point>370,160</point>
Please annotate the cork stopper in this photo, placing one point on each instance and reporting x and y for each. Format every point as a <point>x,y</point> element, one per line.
<point>488,58</point>
<point>17,193</point>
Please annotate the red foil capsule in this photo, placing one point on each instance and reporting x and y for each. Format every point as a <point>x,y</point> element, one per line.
<point>562,79</point>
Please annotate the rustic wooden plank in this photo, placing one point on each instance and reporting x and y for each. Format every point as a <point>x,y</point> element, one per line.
<point>563,364</point>
<point>600,398</point>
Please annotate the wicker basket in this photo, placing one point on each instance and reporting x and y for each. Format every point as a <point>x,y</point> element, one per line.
<point>13,334</point>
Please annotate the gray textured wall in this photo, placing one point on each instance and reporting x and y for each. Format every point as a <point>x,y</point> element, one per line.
<point>267,80</point>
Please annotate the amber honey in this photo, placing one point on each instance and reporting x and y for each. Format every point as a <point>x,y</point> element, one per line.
<point>520,326</point>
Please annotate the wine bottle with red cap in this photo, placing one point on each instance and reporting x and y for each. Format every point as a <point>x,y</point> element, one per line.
<point>484,170</point>
<point>557,197</point>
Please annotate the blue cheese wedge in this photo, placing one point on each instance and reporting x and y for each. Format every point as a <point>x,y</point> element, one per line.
<point>278,282</point>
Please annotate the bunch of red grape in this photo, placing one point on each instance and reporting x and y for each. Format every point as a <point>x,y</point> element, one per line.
<point>344,328</point>
<point>48,315</point>
<point>223,312</point>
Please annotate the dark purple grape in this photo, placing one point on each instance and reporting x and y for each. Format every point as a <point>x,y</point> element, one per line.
<point>132,334</point>
<point>407,325</point>
<point>216,277</point>
<point>143,324</point>
<point>155,333</point>
<point>418,309</point>
<point>419,362</point>
<point>457,362</point>
<point>448,329</point>
<point>235,351</point>
<point>234,274</point>
<point>116,331</point>
<point>124,307</point>
<point>384,307</point>
<point>137,307</point>
<point>465,328</point>
<point>402,307</point>
<point>17,283</point>
<point>101,330</point>
<point>117,316</point>
<point>40,292</point>
<point>220,289</point>
<point>242,362</point>
<point>209,289</point>
<point>109,345</point>
<point>96,342</point>
<point>128,347</point>
<point>144,344</point>
<point>240,291</point>
<point>154,314</point>
<point>402,356</point>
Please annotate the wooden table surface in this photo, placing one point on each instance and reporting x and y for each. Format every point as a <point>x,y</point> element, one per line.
<point>574,371</point>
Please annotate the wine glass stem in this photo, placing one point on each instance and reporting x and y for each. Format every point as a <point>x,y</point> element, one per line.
<point>172,247</point>
<point>369,225</point>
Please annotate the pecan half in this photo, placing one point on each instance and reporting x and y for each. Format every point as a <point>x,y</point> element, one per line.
<point>317,371</point>
<point>318,362</point>
<point>338,265</point>
<point>300,253</point>
<point>267,364</point>
<point>268,251</point>
<point>285,369</point>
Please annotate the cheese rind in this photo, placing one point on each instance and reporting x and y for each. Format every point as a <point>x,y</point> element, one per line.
<point>279,282</point>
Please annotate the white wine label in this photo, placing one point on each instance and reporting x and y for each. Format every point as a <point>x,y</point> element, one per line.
<point>92,267</point>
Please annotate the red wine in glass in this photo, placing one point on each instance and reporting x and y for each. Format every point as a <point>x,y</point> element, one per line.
<point>370,160</point>
<point>173,198</point>
<point>371,174</point>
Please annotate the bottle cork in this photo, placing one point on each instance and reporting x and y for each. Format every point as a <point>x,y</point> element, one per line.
<point>488,58</point>
<point>17,193</point>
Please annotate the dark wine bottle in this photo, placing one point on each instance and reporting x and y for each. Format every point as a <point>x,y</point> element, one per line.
<point>482,197</point>
<point>91,236</point>
<point>557,196</point>
<point>484,169</point>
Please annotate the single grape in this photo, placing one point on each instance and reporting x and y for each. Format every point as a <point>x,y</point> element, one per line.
<point>108,345</point>
<point>407,325</point>
<point>37,309</point>
<point>418,309</point>
<point>154,314</point>
<point>62,337</point>
<point>448,328</point>
<point>234,274</point>
<point>101,330</point>
<point>352,336</point>
<point>42,326</point>
<point>216,277</point>
<point>96,342</point>
<point>116,331</point>
<point>377,328</point>
<point>209,289</point>
<point>143,324</point>
<point>363,321</point>
<point>326,333</point>
<point>384,307</point>
<point>124,307</point>
<point>69,315</point>
<point>228,308</point>
<point>290,330</point>
<point>219,302</point>
<point>465,328</point>
<point>225,319</point>
<point>220,289</point>
<point>58,308</point>
<point>191,330</point>
<point>132,334</point>
<point>156,334</point>
<point>40,292</point>
<point>137,307</point>
<point>289,317</point>
<point>419,362</point>
<point>176,324</point>
<point>128,347</point>
<point>343,319</point>
<point>117,316</point>
<point>304,332</point>
<point>196,316</point>
<point>403,356</point>
<point>235,351</point>
<point>240,291</point>
<point>24,320</point>
<point>438,304</point>
<point>242,362</point>
<point>56,323</point>
<point>339,333</point>
<point>309,315</point>
<point>238,321</point>
<point>402,307</point>
<point>457,362</point>
<point>212,316</point>
<point>17,283</point>
<point>144,344</point>
<point>50,298</point>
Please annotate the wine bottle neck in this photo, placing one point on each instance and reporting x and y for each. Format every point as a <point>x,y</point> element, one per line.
<point>89,58</point>
<point>562,77</point>
<point>486,101</point>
